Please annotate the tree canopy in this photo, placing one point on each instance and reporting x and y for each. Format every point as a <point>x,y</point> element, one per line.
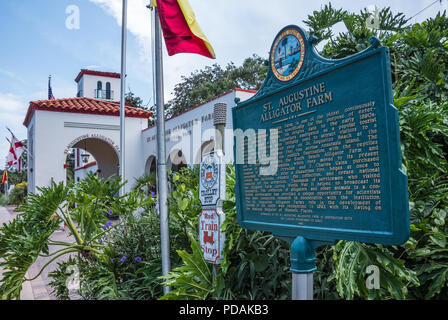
<point>214,80</point>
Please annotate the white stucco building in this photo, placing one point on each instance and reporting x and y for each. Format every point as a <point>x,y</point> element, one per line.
<point>91,122</point>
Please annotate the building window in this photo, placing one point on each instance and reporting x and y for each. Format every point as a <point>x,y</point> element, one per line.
<point>108,92</point>
<point>80,92</point>
<point>99,90</point>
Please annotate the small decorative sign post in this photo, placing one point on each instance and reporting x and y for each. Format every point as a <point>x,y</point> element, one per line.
<point>210,236</point>
<point>211,194</point>
<point>334,165</point>
<point>212,191</point>
<point>211,186</point>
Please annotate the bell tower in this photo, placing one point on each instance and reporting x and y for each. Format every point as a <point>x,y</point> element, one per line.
<point>98,85</point>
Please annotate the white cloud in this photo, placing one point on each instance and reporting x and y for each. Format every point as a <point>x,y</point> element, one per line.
<point>92,67</point>
<point>9,103</point>
<point>235,28</point>
<point>13,76</point>
<point>138,20</point>
<point>221,21</point>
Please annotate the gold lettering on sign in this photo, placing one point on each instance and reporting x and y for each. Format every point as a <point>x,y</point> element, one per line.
<point>326,161</point>
<point>293,103</point>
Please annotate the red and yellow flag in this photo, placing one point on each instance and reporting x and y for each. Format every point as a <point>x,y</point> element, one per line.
<point>5,176</point>
<point>180,28</point>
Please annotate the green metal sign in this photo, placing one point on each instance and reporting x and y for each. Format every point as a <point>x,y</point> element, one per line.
<point>317,149</point>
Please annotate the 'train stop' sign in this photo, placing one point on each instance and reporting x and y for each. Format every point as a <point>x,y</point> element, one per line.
<point>210,236</point>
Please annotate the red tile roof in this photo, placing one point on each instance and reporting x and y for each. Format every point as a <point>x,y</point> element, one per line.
<point>97,73</point>
<point>83,105</point>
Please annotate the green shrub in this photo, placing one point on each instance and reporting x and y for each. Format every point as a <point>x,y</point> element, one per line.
<point>81,207</point>
<point>18,194</point>
<point>3,200</point>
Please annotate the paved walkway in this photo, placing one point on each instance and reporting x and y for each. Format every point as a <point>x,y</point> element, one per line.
<point>39,288</point>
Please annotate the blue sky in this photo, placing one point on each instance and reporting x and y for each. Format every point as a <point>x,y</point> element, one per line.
<point>36,43</point>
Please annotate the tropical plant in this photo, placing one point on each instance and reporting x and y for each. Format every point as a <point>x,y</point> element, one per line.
<point>130,264</point>
<point>24,238</point>
<point>193,279</point>
<point>146,183</point>
<point>82,208</point>
<point>254,266</point>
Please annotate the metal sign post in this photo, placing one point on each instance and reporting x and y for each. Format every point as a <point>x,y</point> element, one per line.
<point>162,178</point>
<point>302,286</point>
<point>303,265</point>
<point>123,97</point>
<point>212,191</point>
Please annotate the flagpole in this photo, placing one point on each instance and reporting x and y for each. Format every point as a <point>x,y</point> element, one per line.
<point>122,94</point>
<point>161,150</point>
<point>49,87</point>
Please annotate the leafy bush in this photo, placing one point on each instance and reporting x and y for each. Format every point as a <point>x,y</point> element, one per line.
<point>81,207</point>
<point>254,266</point>
<point>3,200</point>
<point>24,238</point>
<point>18,194</point>
<point>130,264</point>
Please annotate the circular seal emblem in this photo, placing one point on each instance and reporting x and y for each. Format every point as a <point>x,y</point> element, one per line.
<point>287,54</point>
<point>209,172</point>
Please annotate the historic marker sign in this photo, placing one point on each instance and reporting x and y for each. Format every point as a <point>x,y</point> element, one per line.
<point>210,235</point>
<point>337,174</point>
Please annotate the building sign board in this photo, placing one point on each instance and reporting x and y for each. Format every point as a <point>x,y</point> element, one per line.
<point>334,132</point>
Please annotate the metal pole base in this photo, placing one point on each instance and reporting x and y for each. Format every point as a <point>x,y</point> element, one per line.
<point>302,286</point>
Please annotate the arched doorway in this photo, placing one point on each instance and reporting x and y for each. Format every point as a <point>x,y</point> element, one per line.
<point>97,155</point>
<point>151,164</point>
<point>148,181</point>
<point>207,147</point>
<point>176,160</point>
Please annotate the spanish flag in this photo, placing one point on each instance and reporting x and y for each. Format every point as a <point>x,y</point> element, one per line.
<point>5,176</point>
<point>180,28</point>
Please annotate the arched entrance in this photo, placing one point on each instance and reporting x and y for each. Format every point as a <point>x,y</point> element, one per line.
<point>207,147</point>
<point>176,160</point>
<point>105,156</point>
<point>148,181</point>
<point>151,164</point>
